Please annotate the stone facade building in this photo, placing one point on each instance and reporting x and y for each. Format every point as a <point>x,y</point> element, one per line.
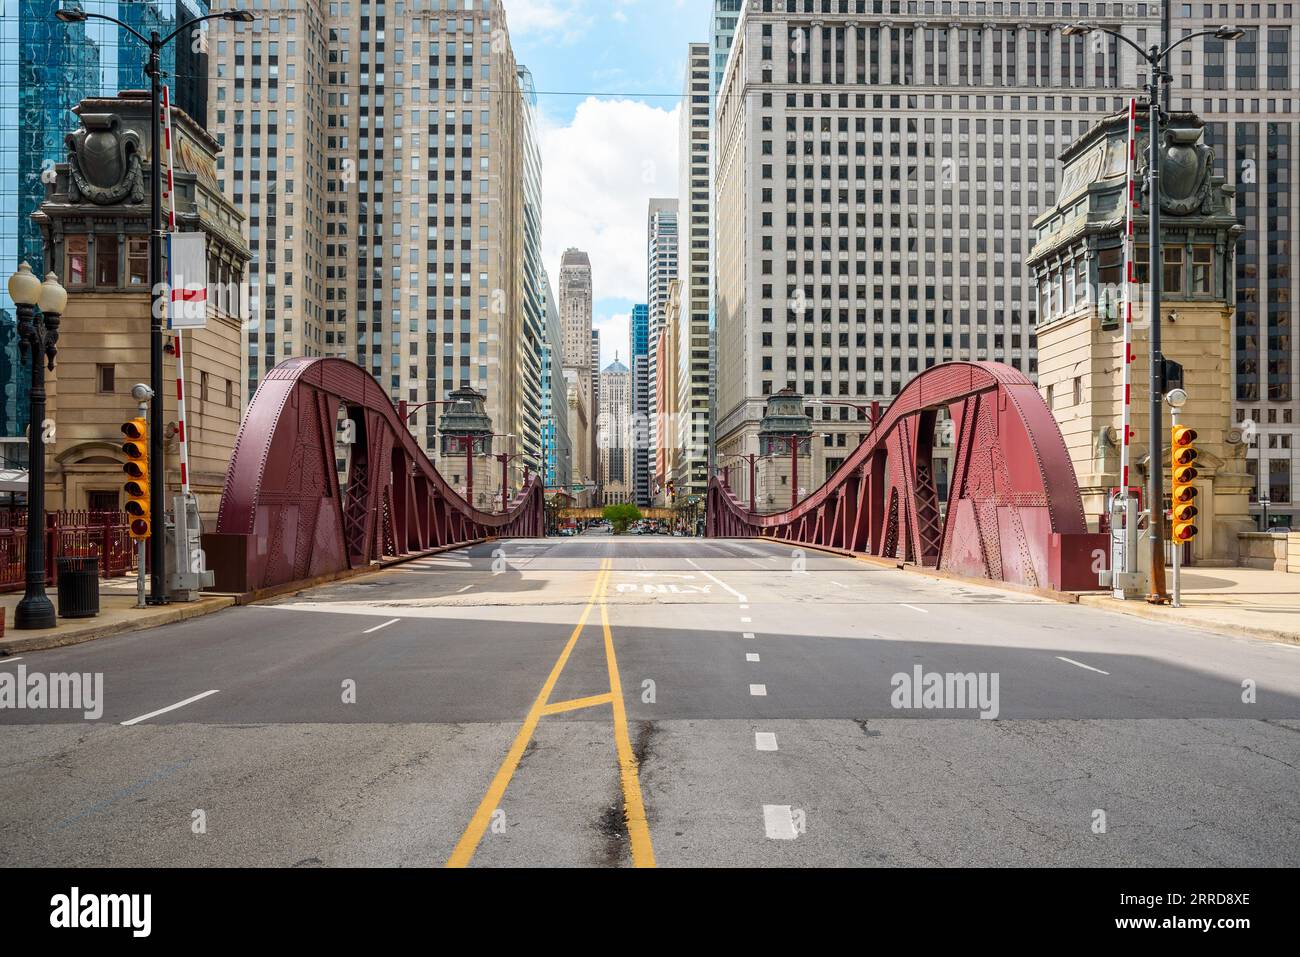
<point>95,225</point>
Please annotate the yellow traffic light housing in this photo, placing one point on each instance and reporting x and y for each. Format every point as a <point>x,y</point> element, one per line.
<point>136,449</point>
<point>1184,492</point>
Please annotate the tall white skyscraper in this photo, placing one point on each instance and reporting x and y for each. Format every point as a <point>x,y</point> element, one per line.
<point>876,183</point>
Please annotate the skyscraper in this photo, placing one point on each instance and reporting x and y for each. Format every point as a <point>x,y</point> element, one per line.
<point>693,263</point>
<point>661,270</point>
<point>876,179</point>
<point>579,369</point>
<point>1248,94</point>
<point>640,418</point>
<point>529,398</point>
<point>615,409</point>
<point>557,449</point>
<point>380,151</point>
<point>46,68</point>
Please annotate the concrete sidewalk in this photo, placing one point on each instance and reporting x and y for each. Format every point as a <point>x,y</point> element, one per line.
<point>117,614</point>
<point>1240,601</point>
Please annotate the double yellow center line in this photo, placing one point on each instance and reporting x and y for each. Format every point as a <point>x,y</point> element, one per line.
<point>633,806</point>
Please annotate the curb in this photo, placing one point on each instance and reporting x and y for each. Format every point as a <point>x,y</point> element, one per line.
<point>1181,616</point>
<point>198,609</point>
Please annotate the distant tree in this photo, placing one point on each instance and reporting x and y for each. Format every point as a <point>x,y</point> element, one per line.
<point>621,516</point>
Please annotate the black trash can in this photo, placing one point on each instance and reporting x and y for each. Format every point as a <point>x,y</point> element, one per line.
<point>78,587</point>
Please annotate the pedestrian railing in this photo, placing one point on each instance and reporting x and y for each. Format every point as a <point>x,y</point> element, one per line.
<point>105,536</point>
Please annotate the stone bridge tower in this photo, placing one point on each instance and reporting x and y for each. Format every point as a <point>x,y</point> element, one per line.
<point>1077,262</point>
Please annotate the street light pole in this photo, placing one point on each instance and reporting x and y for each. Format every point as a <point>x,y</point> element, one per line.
<point>157,489</point>
<point>153,69</point>
<point>1155,278</point>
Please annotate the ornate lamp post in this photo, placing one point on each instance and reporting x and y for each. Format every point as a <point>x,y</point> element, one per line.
<point>40,308</point>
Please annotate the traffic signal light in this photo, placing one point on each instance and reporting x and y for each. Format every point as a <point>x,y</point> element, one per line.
<point>136,448</point>
<point>1184,457</point>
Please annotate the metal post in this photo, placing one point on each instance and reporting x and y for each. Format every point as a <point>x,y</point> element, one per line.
<point>1177,546</point>
<point>753,482</point>
<point>505,469</point>
<point>157,488</point>
<point>1155,277</point>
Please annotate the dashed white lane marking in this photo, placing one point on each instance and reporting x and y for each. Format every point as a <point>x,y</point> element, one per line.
<point>752,659</point>
<point>749,636</point>
<point>838,585</point>
<point>764,741</point>
<point>758,691</point>
<point>744,608</point>
<point>914,608</point>
<point>1080,664</point>
<point>747,621</point>
<point>778,821</point>
<point>9,661</point>
<point>382,627</point>
<point>179,704</point>
<point>465,589</point>
<point>718,581</point>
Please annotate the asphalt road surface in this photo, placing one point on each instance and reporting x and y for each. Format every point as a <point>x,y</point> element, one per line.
<point>614,702</point>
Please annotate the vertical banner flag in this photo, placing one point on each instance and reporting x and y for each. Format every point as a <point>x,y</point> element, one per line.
<point>187,261</point>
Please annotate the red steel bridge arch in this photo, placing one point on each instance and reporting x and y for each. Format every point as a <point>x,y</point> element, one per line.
<point>1014,512</point>
<point>285,517</point>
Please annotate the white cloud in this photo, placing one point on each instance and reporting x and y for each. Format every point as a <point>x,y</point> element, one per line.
<point>600,172</point>
<point>566,19</point>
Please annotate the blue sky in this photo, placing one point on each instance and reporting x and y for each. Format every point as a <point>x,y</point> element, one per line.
<point>610,74</point>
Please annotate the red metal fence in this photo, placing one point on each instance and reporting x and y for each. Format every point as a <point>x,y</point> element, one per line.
<point>70,534</point>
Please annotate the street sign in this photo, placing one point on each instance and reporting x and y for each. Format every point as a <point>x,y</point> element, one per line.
<point>579,489</point>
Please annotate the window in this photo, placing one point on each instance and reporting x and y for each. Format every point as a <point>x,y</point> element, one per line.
<point>1173,278</point>
<point>106,261</point>
<point>137,262</point>
<point>105,378</point>
<point>101,500</point>
<point>1203,270</point>
<point>75,264</point>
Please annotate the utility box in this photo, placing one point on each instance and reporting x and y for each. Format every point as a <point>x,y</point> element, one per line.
<point>189,574</point>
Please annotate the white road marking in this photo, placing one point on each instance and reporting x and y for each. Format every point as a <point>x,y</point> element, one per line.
<point>764,741</point>
<point>465,589</point>
<point>382,627</point>
<point>9,661</point>
<point>758,691</point>
<point>749,636</point>
<point>717,581</point>
<point>746,621</point>
<point>752,659</point>
<point>914,608</point>
<point>179,704</point>
<point>744,608</point>
<point>838,585</point>
<point>778,821</point>
<point>1080,664</point>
